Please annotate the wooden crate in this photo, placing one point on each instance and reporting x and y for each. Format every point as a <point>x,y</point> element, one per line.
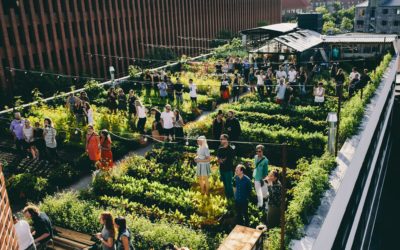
<point>242,238</point>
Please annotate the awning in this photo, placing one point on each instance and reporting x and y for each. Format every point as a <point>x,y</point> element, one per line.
<point>360,38</point>
<point>281,28</point>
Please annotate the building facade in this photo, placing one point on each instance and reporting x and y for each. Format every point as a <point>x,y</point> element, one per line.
<point>329,4</point>
<point>378,16</point>
<point>291,8</point>
<point>8,238</point>
<point>60,35</point>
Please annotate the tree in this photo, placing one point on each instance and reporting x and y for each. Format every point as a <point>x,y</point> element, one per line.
<point>346,25</point>
<point>262,23</point>
<point>330,27</point>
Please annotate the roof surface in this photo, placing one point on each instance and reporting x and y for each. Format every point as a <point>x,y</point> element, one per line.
<point>279,27</point>
<point>294,4</point>
<point>385,3</point>
<point>360,38</point>
<point>363,4</point>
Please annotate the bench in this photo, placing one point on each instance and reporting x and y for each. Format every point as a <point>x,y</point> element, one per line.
<point>68,239</point>
<point>243,238</point>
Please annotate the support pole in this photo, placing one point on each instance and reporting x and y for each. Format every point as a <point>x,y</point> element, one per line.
<point>283,198</point>
<point>338,117</point>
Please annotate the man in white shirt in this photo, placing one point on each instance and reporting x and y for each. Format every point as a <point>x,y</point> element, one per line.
<point>193,92</point>
<point>292,75</point>
<point>167,121</point>
<point>24,236</point>
<point>353,74</point>
<point>280,91</point>
<point>281,73</point>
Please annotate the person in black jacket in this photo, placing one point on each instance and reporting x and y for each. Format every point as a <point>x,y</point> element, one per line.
<point>232,126</point>
<point>42,227</point>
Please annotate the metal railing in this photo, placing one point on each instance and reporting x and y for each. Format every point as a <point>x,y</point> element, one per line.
<point>350,220</point>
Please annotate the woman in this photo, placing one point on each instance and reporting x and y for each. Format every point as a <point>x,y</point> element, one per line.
<point>236,88</point>
<point>178,125</point>
<point>124,237</point>
<point>40,145</point>
<point>156,128</point>
<point>80,113</point>
<point>88,112</point>
<point>131,103</point>
<point>260,83</point>
<point>302,80</point>
<point>29,139</point>
<point>339,79</point>
<point>274,199</point>
<point>93,144</point>
<point>252,81</point>
<point>319,93</point>
<point>105,145</point>
<point>141,113</point>
<point>202,159</point>
<point>121,100</point>
<point>224,89</point>
<point>107,234</point>
<point>49,134</point>
<point>112,100</point>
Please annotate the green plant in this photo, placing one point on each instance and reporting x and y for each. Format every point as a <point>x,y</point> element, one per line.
<point>26,187</point>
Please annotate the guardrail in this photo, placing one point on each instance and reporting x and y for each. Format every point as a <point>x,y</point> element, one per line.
<point>350,220</point>
<point>101,84</point>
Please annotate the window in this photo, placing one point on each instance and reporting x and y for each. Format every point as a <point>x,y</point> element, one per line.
<point>396,23</point>
<point>385,11</point>
<point>360,22</point>
<point>384,23</point>
<point>361,12</point>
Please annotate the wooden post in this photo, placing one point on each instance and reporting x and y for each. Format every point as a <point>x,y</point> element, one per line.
<point>283,198</point>
<point>338,117</point>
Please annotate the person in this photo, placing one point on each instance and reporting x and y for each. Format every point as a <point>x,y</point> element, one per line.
<point>274,199</point>
<point>79,113</point>
<point>112,100</point>
<point>49,134</point>
<point>353,84</point>
<point>29,140</point>
<point>167,121</point>
<point>280,91</point>
<point>202,159</point>
<point>218,68</point>
<point>339,80</point>
<point>242,194</point>
<point>71,102</point>
<point>232,126</point>
<point>121,100</point>
<point>334,69</point>
<point>124,237</point>
<point>178,125</point>
<point>42,227</point>
<point>155,80</point>
<point>170,91</point>
<point>353,74</point>
<point>178,92</point>
<point>162,86</point>
<point>39,142</point>
<point>269,85</point>
<point>218,125</point>
<point>259,173</point>
<point>292,75</point>
<point>236,88</point>
<point>156,128</point>
<point>252,81</point>
<point>224,89</point>
<point>141,113</point>
<point>281,73</point>
<point>24,235</point>
<point>302,77</point>
<point>16,128</point>
<point>147,83</point>
<point>260,84</point>
<point>89,113</point>
<point>107,234</point>
<point>193,93</point>
<point>364,80</point>
<point>105,145</point>
<point>93,144</point>
<point>83,96</point>
<point>225,155</point>
<point>319,93</point>
<point>131,103</point>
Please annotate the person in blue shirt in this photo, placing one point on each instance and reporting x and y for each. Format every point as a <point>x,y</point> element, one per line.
<point>259,173</point>
<point>242,194</point>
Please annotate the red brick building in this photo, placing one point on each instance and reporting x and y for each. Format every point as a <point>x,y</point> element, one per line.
<point>57,35</point>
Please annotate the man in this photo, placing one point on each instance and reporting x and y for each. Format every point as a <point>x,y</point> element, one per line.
<point>162,87</point>
<point>281,73</point>
<point>71,102</point>
<point>16,128</point>
<point>218,125</point>
<point>353,73</point>
<point>259,173</point>
<point>232,126</point>
<point>178,92</point>
<point>364,80</point>
<point>280,91</point>
<point>167,121</point>
<point>353,84</point>
<point>225,155</point>
<point>242,194</point>
<point>24,236</point>
<point>193,93</point>
<point>42,227</point>
<point>170,91</point>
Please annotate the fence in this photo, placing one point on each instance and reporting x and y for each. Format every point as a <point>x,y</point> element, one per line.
<point>8,239</point>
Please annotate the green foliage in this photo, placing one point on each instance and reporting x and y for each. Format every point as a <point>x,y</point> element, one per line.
<point>234,48</point>
<point>27,187</point>
<point>262,23</point>
<point>346,24</point>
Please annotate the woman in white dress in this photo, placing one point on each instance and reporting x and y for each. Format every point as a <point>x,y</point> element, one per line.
<point>203,169</point>
<point>89,113</point>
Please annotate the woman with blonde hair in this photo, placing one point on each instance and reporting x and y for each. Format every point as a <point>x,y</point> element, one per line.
<point>107,234</point>
<point>202,159</point>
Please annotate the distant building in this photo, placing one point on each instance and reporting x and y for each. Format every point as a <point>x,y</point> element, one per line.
<point>378,16</point>
<point>329,3</point>
<point>291,8</point>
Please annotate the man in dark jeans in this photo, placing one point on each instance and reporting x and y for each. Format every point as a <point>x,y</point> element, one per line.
<point>16,129</point>
<point>242,194</point>
<point>225,156</point>
<point>42,227</point>
<point>232,126</point>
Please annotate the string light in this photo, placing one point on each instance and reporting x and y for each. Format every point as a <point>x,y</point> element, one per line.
<point>118,57</point>
<point>173,46</point>
<point>58,76</point>
<point>203,39</point>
